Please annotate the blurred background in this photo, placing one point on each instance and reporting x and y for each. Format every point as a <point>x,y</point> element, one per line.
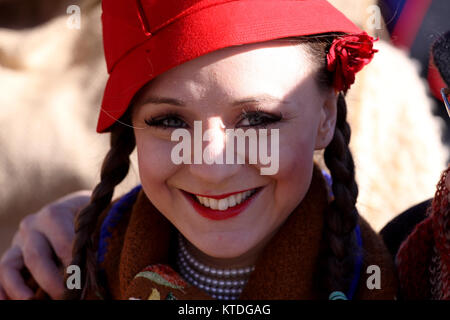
<point>52,75</point>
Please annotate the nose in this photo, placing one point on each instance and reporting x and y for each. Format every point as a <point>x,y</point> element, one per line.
<point>212,168</point>
<point>214,174</point>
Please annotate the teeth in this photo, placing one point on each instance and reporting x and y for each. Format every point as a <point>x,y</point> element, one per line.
<point>213,203</point>
<point>238,198</point>
<point>231,201</point>
<point>224,204</point>
<point>204,201</point>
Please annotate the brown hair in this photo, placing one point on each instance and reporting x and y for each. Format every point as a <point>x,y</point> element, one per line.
<point>340,217</point>
<point>114,169</point>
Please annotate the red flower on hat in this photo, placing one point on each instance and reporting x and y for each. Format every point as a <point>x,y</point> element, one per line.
<point>347,56</point>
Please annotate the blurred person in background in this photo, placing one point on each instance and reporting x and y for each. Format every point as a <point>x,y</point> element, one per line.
<point>419,238</point>
<point>414,26</point>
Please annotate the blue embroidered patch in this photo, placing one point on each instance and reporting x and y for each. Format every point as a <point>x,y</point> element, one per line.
<point>112,219</point>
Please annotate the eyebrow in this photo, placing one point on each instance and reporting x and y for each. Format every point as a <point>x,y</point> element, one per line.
<point>265,98</point>
<point>164,100</point>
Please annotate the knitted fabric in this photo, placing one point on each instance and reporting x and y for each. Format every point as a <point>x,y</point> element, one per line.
<point>423,259</point>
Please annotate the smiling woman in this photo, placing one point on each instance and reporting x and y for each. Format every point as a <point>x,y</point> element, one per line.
<point>226,231</point>
<point>210,83</point>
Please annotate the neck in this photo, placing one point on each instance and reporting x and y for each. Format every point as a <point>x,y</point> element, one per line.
<point>222,279</point>
<point>245,260</point>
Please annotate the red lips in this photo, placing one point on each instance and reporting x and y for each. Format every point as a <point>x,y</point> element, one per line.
<point>219,214</point>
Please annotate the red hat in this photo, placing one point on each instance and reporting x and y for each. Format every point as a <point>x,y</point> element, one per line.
<point>144,38</point>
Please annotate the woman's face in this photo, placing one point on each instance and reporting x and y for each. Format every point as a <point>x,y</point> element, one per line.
<point>267,85</point>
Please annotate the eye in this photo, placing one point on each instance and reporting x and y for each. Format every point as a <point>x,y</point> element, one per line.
<point>257,119</point>
<point>167,121</point>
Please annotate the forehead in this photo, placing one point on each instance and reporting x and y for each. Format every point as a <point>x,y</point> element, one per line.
<point>271,67</point>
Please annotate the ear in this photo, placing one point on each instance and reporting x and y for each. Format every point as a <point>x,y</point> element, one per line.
<point>327,124</point>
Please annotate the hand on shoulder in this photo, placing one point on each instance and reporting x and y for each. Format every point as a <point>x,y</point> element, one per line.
<point>41,237</point>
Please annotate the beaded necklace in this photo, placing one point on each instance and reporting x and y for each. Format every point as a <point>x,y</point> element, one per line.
<point>222,284</point>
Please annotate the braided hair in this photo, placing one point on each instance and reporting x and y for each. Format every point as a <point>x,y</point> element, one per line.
<point>114,169</point>
<point>340,217</point>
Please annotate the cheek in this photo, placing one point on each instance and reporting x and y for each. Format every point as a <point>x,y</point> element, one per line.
<point>296,166</point>
<point>155,165</point>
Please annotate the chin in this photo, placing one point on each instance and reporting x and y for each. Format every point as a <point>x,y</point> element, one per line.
<point>223,250</point>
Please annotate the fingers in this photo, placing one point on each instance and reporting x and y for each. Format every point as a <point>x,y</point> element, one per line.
<point>58,228</point>
<point>56,222</point>
<point>39,235</point>
<point>10,278</point>
<point>37,256</point>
